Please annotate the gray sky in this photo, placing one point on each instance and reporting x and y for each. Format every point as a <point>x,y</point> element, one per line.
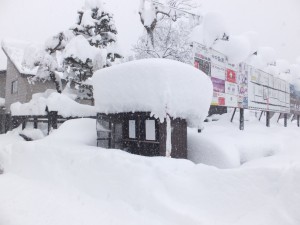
<point>277,21</point>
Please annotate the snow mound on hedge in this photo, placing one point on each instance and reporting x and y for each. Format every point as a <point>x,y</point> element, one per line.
<point>159,86</point>
<point>64,104</point>
<point>76,131</point>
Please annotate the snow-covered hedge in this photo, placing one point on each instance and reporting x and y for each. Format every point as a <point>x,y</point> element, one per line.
<point>159,86</point>
<point>62,103</point>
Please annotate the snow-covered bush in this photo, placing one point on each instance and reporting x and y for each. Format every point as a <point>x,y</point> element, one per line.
<point>76,53</point>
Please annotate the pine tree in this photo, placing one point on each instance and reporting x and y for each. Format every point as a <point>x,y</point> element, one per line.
<point>97,27</point>
<point>89,45</point>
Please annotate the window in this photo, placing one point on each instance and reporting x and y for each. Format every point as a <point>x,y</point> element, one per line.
<point>150,130</point>
<point>132,133</point>
<point>14,87</point>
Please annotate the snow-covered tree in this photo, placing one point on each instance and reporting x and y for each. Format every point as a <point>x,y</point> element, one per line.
<point>152,12</point>
<point>97,26</point>
<point>171,42</point>
<point>75,54</point>
<point>49,58</point>
<point>167,29</point>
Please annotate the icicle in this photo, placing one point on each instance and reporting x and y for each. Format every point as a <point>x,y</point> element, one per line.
<point>168,140</point>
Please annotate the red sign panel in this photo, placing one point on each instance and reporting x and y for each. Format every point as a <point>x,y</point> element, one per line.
<point>221,101</point>
<point>230,76</point>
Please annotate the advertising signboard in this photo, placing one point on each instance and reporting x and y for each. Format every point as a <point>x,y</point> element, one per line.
<point>242,79</point>
<point>244,86</point>
<point>294,100</point>
<point>266,92</point>
<point>223,75</point>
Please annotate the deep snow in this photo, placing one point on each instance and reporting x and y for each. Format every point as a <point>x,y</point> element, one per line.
<point>65,179</point>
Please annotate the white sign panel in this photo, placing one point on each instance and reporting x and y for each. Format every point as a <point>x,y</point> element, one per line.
<point>231,100</point>
<point>218,72</point>
<point>231,88</point>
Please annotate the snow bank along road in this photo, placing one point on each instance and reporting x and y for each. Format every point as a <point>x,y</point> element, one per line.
<point>65,179</point>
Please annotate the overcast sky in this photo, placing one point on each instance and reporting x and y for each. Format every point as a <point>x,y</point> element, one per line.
<point>277,21</point>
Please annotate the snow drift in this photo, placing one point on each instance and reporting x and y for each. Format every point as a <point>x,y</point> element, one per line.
<point>63,179</point>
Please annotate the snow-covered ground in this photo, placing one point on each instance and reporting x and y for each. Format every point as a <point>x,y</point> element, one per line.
<point>65,179</point>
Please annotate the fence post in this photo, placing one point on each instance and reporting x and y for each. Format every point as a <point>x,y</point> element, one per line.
<point>285,120</point>
<point>278,117</point>
<point>268,119</point>
<point>233,115</point>
<point>35,123</point>
<point>14,122</point>
<point>23,123</point>
<point>8,123</point>
<point>242,125</point>
<point>52,120</point>
<point>261,115</point>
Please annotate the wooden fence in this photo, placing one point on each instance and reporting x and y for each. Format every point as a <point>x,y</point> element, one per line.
<point>52,119</point>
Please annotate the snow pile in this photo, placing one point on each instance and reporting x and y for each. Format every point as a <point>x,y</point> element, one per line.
<point>206,149</point>
<point>76,132</point>
<point>148,12</point>
<point>158,86</point>
<point>63,104</point>
<point>214,28</point>
<point>214,33</point>
<point>236,48</point>
<point>223,145</point>
<point>69,181</point>
<point>34,134</point>
<point>16,51</point>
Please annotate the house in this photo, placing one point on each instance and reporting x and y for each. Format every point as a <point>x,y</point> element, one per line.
<point>2,100</point>
<point>145,106</point>
<point>2,83</point>
<point>15,83</point>
<point>18,87</point>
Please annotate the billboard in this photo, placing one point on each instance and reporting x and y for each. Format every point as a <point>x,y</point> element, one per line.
<point>244,86</point>
<point>294,100</point>
<point>223,75</point>
<point>266,92</point>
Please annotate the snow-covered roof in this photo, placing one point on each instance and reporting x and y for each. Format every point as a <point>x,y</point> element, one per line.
<point>159,86</point>
<point>15,51</point>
